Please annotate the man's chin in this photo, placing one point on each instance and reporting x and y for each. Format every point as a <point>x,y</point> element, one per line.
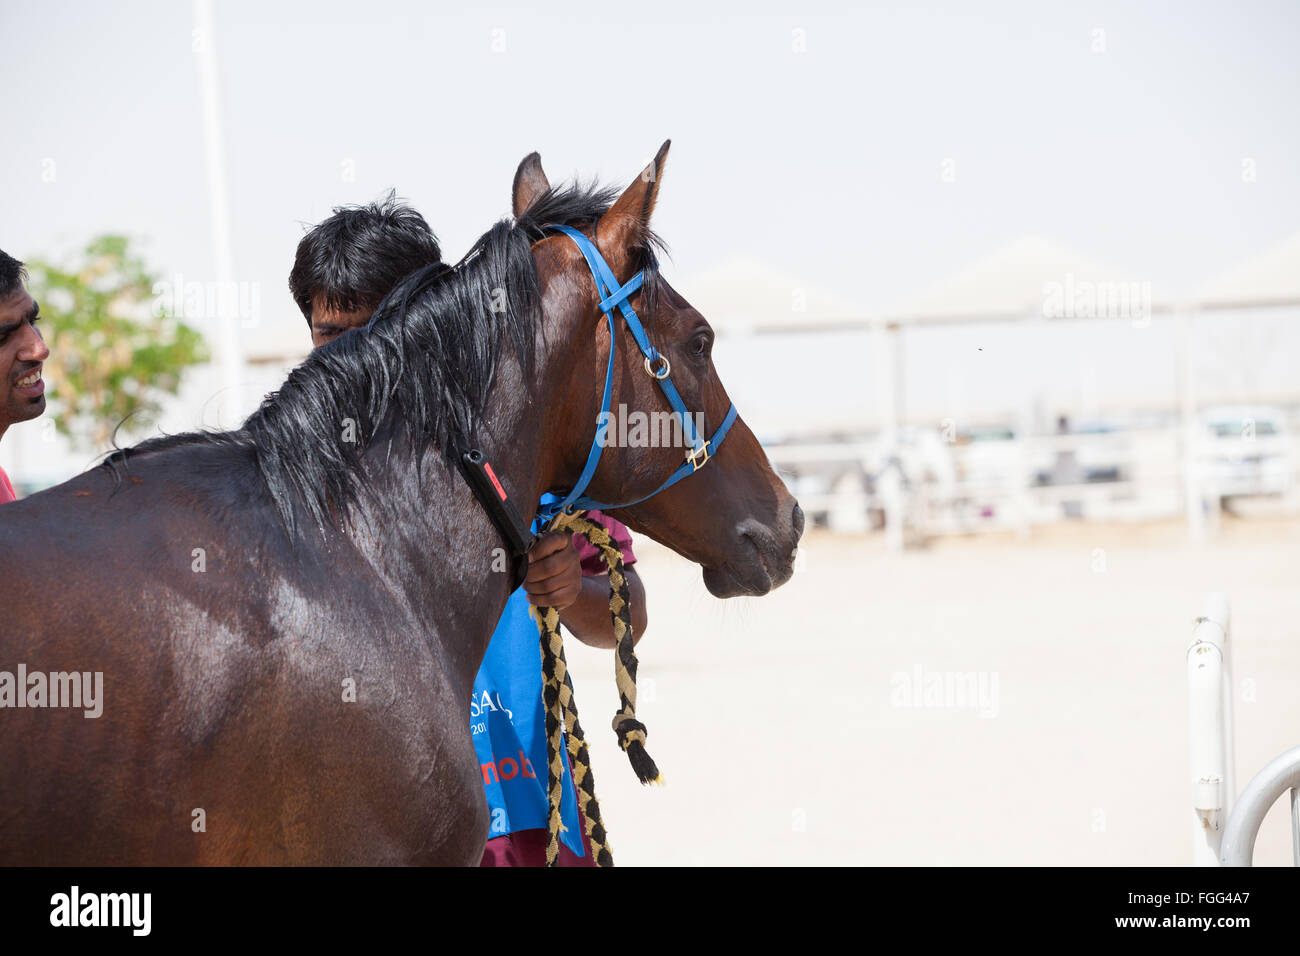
<point>25,409</point>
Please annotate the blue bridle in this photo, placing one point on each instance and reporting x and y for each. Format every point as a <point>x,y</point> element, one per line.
<point>614,296</point>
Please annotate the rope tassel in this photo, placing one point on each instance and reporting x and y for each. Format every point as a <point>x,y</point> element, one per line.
<point>561,710</point>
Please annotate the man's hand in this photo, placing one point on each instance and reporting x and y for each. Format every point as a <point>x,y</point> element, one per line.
<point>554,576</point>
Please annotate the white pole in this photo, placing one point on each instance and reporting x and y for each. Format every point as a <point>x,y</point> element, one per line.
<point>1193,483</point>
<point>225,335</point>
<point>1209,680</point>
<point>891,394</point>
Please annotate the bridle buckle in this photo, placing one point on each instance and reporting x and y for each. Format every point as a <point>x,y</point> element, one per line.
<point>693,456</point>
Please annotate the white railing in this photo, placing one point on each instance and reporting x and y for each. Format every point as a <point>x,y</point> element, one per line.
<point>1209,683</point>
<point>1218,836</point>
<point>1282,774</point>
<point>1028,481</point>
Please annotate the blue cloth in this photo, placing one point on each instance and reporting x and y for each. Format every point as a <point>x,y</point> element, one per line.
<point>508,726</point>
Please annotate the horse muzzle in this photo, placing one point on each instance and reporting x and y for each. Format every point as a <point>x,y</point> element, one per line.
<point>763,559</point>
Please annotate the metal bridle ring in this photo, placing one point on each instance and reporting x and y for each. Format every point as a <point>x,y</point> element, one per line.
<point>662,374</point>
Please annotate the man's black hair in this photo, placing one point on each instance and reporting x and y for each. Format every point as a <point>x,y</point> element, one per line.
<point>351,260</point>
<point>12,275</point>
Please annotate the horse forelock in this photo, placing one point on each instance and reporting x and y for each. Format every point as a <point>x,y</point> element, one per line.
<point>578,205</point>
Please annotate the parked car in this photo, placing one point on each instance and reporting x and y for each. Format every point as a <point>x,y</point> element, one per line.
<point>1245,450</point>
<point>1098,457</point>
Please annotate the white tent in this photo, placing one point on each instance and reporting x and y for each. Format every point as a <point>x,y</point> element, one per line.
<point>1012,282</point>
<point>742,295</point>
<point>1269,279</point>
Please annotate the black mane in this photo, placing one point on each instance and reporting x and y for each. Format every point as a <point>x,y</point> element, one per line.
<point>424,363</point>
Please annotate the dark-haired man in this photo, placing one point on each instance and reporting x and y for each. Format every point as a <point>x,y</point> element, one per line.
<point>22,352</point>
<point>343,269</point>
<point>347,264</point>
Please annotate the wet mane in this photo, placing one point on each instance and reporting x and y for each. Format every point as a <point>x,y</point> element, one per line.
<point>424,365</point>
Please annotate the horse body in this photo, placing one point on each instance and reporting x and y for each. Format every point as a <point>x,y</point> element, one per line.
<point>236,655</point>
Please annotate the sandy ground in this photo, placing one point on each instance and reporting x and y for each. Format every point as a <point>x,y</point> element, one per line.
<point>786,735</point>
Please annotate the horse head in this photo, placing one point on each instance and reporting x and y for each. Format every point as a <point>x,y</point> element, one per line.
<point>698,483</point>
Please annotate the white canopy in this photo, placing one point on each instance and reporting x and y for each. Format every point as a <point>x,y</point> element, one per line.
<point>1012,282</point>
<point>1271,278</point>
<point>746,295</point>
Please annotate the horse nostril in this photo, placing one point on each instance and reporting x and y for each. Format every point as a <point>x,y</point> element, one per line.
<point>796,519</point>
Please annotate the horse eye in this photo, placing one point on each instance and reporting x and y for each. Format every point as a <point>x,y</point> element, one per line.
<point>700,345</point>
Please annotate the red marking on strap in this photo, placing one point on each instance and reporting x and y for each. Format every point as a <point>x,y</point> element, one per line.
<point>495,484</point>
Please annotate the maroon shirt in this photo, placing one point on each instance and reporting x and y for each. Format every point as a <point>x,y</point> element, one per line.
<point>592,563</point>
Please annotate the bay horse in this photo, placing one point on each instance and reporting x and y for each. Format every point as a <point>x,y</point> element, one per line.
<point>288,617</point>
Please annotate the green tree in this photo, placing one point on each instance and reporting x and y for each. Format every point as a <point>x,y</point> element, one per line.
<point>113,352</point>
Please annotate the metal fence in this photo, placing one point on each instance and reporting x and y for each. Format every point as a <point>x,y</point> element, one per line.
<point>1224,832</point>
<point>921,484</point>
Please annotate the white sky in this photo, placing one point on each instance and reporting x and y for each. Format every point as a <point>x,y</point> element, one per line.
<point>827,163</point>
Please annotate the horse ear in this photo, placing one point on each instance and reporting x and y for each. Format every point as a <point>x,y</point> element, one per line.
<point>530,183</point>
<point>628,219</point>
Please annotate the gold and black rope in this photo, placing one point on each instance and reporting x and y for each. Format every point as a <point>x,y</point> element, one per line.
<point>557,698</point>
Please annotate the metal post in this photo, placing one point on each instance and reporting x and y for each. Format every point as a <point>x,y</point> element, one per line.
<point>891,399</point>
<point>1194,495</point>
<point>1209,678</point>
<point>1295,827</point>
<point>225,335</point>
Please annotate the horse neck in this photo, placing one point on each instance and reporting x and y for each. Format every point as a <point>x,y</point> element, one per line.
<point>426,536</point>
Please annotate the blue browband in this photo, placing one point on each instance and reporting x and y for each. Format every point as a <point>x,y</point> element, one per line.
<point>614,296</point>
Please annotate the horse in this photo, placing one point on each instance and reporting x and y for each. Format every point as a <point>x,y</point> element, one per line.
<point>287,618</point>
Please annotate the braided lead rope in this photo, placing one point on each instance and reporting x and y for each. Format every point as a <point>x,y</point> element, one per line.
<point>548,624</point>
<point>631,732</point>
<point>583,780</point>
<point>558,700</point>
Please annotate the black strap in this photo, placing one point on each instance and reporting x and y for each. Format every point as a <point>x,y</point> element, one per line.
<point>491,494</point>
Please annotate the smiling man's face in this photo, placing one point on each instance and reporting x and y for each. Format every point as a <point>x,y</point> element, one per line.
<point>22,353</point>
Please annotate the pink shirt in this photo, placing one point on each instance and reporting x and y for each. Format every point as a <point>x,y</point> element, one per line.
<point>589,554</point>
<point>7,493</point>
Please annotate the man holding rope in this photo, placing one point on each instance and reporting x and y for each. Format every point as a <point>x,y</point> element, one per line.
<point>343,269</point>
